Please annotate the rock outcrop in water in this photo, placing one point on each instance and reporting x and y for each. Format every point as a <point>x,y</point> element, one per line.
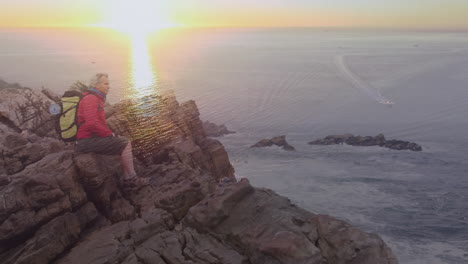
<point>58,206</point>
<point>279,141</point>
<point>378,140</point>
<point>214,130</point>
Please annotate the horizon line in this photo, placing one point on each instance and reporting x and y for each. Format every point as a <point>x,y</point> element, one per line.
<point>445,29</point>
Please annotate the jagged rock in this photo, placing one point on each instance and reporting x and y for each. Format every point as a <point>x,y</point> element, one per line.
<point>170,123</point>
<point>26,109</point>
<point>7,125</point>
<point>4,180</point>
<point>213,130</point>
<point>52,238</point>
<point>219,205</point>
<point>113,244</point>
<point>259,223</point>
<point>36,195</point>
<point>5,128</point>
<point>33,138</point>
<point>109,245</point>
<point>18,151</point>
<point>332,140</point>
<point>216,159</point>
<point>65,207</point>
<point>193,126</point>
<point>355,246</point>
<point>13,140</point>
<point>278,141</point>
<point>378,140</point>
<point>116,118</point>
<point>100,177</point>
<point>150,240</point>
<point>164,121</point>
<point>187,246</point>
<point>268,228</point>
<point>402,145</point>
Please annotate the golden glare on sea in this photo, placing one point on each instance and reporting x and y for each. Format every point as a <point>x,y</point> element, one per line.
<point>148,108</point>
<point>143,75</point>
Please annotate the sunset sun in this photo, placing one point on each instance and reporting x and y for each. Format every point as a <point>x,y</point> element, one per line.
<point>138,17</point>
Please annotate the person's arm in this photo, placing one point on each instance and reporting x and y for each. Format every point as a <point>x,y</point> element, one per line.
<point>89,105</point>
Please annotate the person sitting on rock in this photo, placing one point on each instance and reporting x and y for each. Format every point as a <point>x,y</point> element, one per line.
<point>94,135</point>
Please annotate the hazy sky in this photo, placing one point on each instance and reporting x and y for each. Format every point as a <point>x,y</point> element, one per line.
<point>343,13</point>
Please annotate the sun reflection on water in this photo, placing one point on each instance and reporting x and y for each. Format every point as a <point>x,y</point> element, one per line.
<point>148,111</point>
<point>143,77</point>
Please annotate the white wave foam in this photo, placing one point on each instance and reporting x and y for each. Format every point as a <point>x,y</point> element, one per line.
<point>358,83</point>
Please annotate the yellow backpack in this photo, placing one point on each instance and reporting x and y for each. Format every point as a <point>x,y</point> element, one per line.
<point>66,122</point>
<point>66,125</point>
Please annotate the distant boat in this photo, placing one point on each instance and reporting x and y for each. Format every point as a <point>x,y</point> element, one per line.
<point>386,102</point>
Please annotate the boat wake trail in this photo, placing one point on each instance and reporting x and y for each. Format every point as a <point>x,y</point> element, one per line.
<point>358,83</point>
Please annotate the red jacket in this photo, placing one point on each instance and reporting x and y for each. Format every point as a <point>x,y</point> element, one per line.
<point>91,117</point>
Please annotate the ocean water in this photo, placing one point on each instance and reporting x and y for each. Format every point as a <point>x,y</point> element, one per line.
<point>305,84</point>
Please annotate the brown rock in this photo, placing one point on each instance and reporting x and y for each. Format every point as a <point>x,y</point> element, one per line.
<point>213,130</point>
<point>17,152</point>
<point>52,238</point>
<point>278,141</point>
<point>12,165</point>
<point>378,140</point>
<point>342,243</point>
<point>29,153</point>
<point>291,248</point>
<point>39,193</point>
<point>100,176</point>
<point>108,245</point>
<point>26,109</point>
<point>151,223</point>
<point>269,229</point>
<point>13,140</point>
<point>67,207</point>
<point>210,212</point>
<point>218,160</point>
<point>114,245</point>
<point>4,180</point>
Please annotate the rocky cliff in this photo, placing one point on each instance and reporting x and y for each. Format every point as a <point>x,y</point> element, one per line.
<point>58,206</point>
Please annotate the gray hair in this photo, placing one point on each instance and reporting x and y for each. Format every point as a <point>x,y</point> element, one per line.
<point>96,78</point>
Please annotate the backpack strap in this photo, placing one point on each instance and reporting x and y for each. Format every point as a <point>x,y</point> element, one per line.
<point>69,109</point>
<point>68,128</point>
